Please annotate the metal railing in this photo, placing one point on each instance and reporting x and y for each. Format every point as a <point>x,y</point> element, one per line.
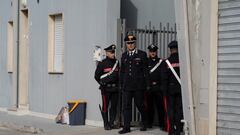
<point>160,37</point>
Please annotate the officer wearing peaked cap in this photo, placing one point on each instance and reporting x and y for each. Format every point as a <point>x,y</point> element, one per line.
<point>130,38</point>
<point>155,95</point>
<point>107,75</point>
<point>133,79</point>
<point>173,45</point>
<point>172,83</point>
<point>152,48</point>
<point>110,48</point>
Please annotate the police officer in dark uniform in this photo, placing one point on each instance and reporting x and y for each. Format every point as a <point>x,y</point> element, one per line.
<point>155,94</point>
<point>172,81</point>
<point>133,78</point>
<point>107,75</point>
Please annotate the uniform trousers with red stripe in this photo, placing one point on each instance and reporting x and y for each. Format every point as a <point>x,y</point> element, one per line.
<point>175,113</point>
<point>110,103</point>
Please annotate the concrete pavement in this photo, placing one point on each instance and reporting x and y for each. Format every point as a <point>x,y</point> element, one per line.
<point>13,124</point>
<point>7,131</point>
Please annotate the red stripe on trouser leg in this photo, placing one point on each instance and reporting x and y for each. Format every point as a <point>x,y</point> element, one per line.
<point>167,128</point>
<point>104,104</point>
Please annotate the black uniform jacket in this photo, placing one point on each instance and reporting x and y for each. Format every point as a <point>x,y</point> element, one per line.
<point>155,76</point>
<point>168,79</point>
<point>104,67</point>
<point>134,71</point>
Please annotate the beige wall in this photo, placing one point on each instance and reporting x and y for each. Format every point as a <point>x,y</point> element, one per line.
<point>23,60</point>
<point>202,28</point>
<point>202,33</point>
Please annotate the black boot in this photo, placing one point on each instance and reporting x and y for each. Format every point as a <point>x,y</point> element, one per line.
<point>144,124</point>
<point>143,128</point>
<point>105,118</point>
<point>124,130</point>
<point>105,121</point>
<point>111,123</point>
<point>107,127</point>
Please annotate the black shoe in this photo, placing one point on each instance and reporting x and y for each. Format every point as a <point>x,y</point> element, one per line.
<point>149,126</point>
<point>171,133</point>
<point>143,128</point>
<point>107,127</point>
<point>124,131</point>
<point>162,128</point>
<point>114,126</point>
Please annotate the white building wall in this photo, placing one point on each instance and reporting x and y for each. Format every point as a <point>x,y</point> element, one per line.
<point>138,13</point>
<point>201,25</point>
<point>86,24</point>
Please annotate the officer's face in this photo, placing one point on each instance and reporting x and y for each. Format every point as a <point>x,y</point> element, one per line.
<point>152,54</point>
<point>131,46</point>
<point>173,50</point>
<point>110,54</point>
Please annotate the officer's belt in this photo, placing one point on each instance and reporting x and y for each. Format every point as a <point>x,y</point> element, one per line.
<point>111,85</point>
<point>154,83</point>
<point>173,84</point>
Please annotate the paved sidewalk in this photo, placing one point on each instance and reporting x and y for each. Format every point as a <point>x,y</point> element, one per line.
<point>9,122</point>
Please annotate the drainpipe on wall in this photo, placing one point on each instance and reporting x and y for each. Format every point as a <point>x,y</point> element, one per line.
<point>18,44</point>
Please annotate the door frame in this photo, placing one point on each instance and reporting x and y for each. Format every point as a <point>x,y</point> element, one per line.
<point>23,78</point>
<point>213,68</point>
<point>181,12</point>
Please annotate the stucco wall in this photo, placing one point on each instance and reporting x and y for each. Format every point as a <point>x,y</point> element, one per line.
<point>200,44</point>
<point>86,24</point>
<point>200,60</point>
<point>7,94</point>
<point>138,13</point>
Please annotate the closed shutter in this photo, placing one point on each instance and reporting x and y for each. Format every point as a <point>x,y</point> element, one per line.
<point>58,44</point>
<point>10,48</point>
<point>228,110</point>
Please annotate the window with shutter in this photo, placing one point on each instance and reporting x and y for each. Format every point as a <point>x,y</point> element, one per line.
<point>56,44</point>
<point>10,47</point>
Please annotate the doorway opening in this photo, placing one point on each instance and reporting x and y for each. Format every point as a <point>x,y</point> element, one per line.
<point>24,60</point>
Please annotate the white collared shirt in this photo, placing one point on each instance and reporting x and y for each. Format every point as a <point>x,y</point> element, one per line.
<point>131,52</point>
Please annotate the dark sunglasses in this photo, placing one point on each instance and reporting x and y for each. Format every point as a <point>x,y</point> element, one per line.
<point>111,51</point>
<point>151,51</point>
<point>131,42</point>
